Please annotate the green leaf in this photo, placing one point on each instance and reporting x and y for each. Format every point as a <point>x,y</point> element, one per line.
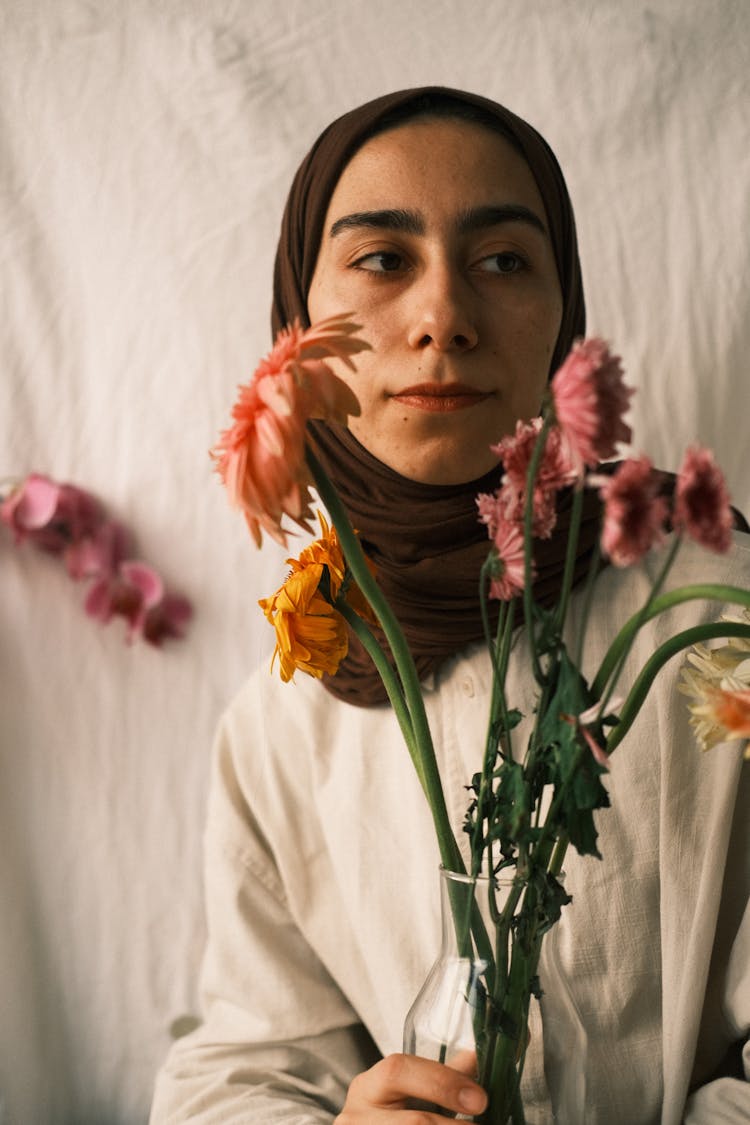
<point>571,767</point>
<point>514,718</point>
<point>552,898</point>
<point>547,638</point>
<point>511,809</point>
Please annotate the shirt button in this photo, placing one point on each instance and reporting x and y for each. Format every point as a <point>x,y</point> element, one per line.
<point>467,687</point>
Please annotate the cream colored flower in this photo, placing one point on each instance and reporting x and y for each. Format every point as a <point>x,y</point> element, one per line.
<point>717,681</point>
<point>742,617</point>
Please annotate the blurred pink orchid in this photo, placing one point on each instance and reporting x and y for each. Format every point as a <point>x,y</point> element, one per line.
<point>135,591</point>
<point>99,553</point>
<point>167,619</point>
<point>69,522</point>
<point>50,515</point>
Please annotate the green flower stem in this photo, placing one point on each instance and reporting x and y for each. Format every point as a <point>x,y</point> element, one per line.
<point>506,1064</point>
<point>558,855</point>
<point>624,639</point>
<point>390,680</point>
<point>640,617</point>
<point>499,650</point>
<point>665,652</point>
<point>505,639</point>
<point>528,562</point>
<point>428,772</point>
<point>497,699</point>
<point>570,558</point>
<point>588,596</point>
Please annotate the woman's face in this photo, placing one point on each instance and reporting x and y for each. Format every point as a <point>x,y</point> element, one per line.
<point>436,242</point>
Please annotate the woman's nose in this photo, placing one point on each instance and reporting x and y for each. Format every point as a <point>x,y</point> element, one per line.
<point>443,315</point>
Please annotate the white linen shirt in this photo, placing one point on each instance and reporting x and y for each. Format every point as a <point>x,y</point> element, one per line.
<point>322,891</point>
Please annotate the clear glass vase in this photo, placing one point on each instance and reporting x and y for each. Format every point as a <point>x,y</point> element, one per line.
<point>478,996</point>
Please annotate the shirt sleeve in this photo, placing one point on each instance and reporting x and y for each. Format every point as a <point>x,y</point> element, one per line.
<point>279,1042</point>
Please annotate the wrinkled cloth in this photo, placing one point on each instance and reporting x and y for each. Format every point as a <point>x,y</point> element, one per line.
<point>323,901</point>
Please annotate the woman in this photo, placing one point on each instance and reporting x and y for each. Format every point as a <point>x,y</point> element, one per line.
<point>442,222</point>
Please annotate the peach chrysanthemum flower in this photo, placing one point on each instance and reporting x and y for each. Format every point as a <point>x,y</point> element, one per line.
<point>590,399</point>
<point>634,512</point>
<point>311,634</point>
<point>555,472</point>
<point>717,681</point>
<point>702,508</point>
<point>261,457</point>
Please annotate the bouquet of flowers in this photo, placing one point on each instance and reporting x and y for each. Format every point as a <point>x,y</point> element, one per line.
<point>527,805</point>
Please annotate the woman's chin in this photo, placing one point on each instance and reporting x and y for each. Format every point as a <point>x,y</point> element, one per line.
<point>434,449</point>
<point>440,467</point>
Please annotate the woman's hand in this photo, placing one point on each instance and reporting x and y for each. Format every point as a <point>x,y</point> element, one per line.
<point>386,1092</point>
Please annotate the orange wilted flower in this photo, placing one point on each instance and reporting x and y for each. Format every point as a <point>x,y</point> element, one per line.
<point>311,634</point>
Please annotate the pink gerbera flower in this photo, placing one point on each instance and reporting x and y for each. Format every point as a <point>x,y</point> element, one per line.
<point>555,471</point>
<point>261,457</point>
<point>634,512</point>
<point>590,399</point>
<point>491,511</point>
<point>702,508</point>
<point>508,570</point>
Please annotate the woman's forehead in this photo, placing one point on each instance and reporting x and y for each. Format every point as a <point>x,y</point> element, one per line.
<point>432,162</point>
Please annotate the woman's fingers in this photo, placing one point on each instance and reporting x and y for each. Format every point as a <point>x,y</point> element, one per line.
<point>465,1062</point>
<point>384,1092</point>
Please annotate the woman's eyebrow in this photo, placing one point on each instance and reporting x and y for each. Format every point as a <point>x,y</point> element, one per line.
<point>478,218</point>
<point>410,222</point>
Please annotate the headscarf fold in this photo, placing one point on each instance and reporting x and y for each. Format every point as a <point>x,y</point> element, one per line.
<point>428,547</point>
<point>426,540</point>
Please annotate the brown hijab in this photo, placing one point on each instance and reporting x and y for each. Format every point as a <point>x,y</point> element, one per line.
<point>425,540</point>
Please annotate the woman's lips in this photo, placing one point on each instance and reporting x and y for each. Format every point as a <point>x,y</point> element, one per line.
<point>441,397</point>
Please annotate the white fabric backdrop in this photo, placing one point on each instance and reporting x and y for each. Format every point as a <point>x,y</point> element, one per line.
<point>145,152</point>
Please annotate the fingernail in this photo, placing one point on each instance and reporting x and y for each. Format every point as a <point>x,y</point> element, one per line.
<point>472,1099</point>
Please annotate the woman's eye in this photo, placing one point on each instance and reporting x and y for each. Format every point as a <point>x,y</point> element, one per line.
<point>505,262</point>
<point>382,261</point>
